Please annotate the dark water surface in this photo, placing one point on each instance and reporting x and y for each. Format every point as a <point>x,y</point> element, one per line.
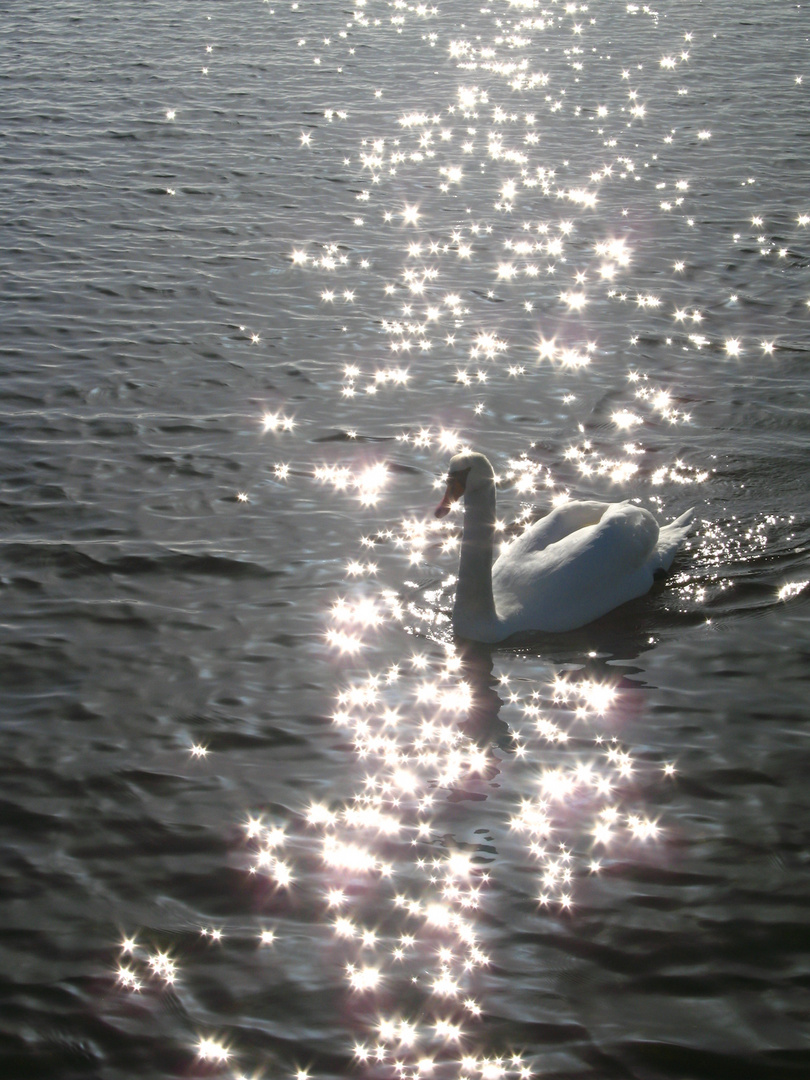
<point>263,266</point>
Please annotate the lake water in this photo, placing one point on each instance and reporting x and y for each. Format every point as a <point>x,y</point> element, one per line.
<point>264,266</point>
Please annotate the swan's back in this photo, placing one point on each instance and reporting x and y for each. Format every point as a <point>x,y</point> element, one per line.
<point>555,580</point>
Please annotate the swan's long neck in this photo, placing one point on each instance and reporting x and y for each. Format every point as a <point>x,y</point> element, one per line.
<point>474,605</point>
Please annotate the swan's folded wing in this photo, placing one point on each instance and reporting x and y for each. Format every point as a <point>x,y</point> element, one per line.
<point>556,525</point>
<point>580,577</point>
<point>626,538</point>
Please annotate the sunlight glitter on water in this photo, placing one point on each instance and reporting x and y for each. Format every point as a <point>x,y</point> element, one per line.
<point>502,236</point>
<point>427,893</point>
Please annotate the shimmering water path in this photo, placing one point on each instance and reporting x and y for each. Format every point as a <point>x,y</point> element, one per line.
<point>265,267</point>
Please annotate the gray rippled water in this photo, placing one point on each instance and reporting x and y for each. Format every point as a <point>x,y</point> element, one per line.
<point>264,267</point>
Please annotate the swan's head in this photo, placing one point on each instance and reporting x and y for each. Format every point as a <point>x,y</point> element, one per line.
<point>467,472</point>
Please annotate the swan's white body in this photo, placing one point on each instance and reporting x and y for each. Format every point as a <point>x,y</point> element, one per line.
<point>576,564</point>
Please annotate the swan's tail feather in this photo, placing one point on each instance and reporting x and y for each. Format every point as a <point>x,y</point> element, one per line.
<point>670,538</point>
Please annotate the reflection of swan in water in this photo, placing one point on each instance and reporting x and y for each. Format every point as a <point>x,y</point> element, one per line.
<point>576,564</point>
<point>482,723</point>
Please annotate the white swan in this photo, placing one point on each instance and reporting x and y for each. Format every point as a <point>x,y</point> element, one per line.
<point>579,562</point>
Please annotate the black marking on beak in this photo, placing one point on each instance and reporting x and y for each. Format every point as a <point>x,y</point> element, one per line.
<point>456,486</point>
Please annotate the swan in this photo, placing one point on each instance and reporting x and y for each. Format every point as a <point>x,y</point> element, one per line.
<point>576,564</point>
